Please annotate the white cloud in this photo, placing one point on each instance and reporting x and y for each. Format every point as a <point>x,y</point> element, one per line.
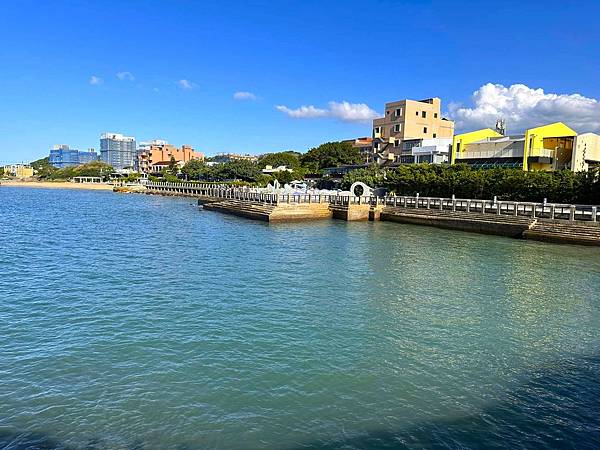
<point>125,76</point>
<point>524,107</point>
<point>156,89</point>
<point>186,84</point>
<point>304,112</point>
<point>95,81</point>
<point>344,111</point>
<point>243,95</point>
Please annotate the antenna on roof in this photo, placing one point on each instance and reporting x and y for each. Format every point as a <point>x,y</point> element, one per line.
<point>501,126</point>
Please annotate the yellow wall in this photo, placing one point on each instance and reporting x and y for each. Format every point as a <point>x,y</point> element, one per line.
<point>19,171</point>
<point>534,141</point>
<point>466,138</point>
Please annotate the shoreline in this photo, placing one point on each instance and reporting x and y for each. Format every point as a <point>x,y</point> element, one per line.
<point>58,185</point>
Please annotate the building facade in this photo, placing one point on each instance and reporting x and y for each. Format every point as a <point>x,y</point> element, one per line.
<point>586,152</point>
<point>62,156</point>
<point>118,151</point>
<point>409,121</point>
<point>18,170</point>
<point>155,155</point>
<point>547,147</point>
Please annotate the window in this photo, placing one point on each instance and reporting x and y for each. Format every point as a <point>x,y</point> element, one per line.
<point>397,128</point>
<point>434,135</point>
<point>398,112</point>
<point>376,130</point>
<point>425,130</point>
<point>387,113</point>
<point>417,112</point>
<point>424,114</point>
<point>435,115</point>
<point>396,143</point>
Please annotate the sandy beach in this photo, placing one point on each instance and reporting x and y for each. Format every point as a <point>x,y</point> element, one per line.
<point>57,185</point>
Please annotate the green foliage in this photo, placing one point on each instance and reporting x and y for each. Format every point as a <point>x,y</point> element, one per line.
<point>330,154</point>
<point>42,167</point>
<point>371,176</point>
<point>195,170</point>
<point>463,181</point>
<point>170,178</point>
<point>289,159</point>
<point>237,170</point>
<point>234,170</point>
<point>173,167</point>
<point>132,177</point>
<point>91,169</point>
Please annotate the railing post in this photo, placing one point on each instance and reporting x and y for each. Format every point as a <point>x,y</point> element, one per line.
<point>428,203</point>
<point>594,214</point>
<point>552,211</point>
<point>533,207</point>
<point>572,213</point>
<point>516,211</point>
<point>468,205</point>
<point>498,208</point>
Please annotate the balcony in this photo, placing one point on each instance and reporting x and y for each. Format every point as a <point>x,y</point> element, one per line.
<point>491,154</point>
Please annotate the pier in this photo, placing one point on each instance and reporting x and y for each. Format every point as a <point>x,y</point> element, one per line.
<point>552,222</point>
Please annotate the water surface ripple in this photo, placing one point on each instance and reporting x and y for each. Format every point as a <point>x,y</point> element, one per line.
<point>141,322</point>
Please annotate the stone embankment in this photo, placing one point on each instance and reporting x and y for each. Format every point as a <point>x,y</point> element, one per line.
<point>269,212</point>
<point>567,233</point>
<point>457,220</point>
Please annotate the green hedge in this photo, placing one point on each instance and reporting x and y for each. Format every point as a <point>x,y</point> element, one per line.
<point>462,181</point>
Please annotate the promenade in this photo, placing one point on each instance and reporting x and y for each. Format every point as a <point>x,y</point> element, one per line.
<point>552,222</point>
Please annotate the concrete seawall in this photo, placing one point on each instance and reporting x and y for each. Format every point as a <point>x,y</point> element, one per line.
<point>282,212</point>
<point>571,224</point>
<point>477,223</point>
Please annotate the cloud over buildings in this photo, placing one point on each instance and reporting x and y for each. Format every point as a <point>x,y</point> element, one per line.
<point>344,111</point>
<point>244,95</point>
<point>524,107</point>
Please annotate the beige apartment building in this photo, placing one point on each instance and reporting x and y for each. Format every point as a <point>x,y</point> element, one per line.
<point>155,155</point>
<point>405,124</point>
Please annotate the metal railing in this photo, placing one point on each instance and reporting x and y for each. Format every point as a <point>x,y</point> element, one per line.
<point>552,211</point>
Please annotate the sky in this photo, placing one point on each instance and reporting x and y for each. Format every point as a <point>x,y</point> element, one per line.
<point>265,76</point>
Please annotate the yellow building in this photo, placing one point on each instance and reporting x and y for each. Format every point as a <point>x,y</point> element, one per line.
<point>18,171</point>
<point>548,147</point>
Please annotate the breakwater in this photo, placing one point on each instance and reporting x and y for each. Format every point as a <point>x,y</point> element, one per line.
<point>561,223</point>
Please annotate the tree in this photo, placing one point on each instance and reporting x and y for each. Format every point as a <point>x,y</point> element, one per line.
<point>331,154</point>
<point>195,170</point>
<point>173,167</point>
<point>238,170</point>
<point>43,168</point>
<point>289,159</point>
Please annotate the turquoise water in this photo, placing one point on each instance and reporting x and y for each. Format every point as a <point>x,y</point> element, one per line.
<point>141,322</point>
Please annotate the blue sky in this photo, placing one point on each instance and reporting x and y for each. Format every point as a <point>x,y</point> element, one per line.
<point>285,53</point>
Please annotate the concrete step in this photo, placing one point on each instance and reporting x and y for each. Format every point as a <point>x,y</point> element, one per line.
<point>422,212</point>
